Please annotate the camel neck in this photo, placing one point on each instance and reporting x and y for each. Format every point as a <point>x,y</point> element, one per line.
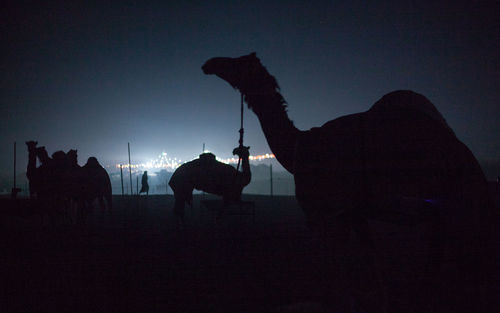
<point>279,130</point>
<point>32,155</point>
<point>31,160</point>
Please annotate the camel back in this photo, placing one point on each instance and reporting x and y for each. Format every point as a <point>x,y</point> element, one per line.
<point>410,101</point>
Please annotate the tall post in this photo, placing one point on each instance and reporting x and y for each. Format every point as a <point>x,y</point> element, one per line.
<point>130,169</point>
<point>121,177</point>
<point>271,177</point>
<point>137,184</point>
<point>203,152</point>
<point>14,190</point>
<point>14,165</point>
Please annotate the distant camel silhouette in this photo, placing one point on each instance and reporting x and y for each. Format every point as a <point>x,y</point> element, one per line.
<point>209,175</point>
<point>97,184</point>
<point>46,185</point>
<point>60,174</point>
<point>44,175</point>
<point>75,184</point>
<point>30,171</point>
<point>398,155</point>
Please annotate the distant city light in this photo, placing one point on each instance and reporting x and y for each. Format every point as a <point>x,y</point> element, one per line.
<point>165,162</point>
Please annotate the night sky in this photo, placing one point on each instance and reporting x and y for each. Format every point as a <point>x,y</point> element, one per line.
<point>94,77</point>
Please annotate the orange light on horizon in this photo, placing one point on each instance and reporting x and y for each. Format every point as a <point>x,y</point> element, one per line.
<point>168,163</point>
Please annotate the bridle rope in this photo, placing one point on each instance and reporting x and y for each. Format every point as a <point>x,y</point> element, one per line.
<point>241,131</point>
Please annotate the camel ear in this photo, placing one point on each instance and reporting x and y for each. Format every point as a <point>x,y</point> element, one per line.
<point>253,54</point>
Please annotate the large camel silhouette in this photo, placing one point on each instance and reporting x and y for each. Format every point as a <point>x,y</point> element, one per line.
<point>398,155</point>
<point>209,175</point>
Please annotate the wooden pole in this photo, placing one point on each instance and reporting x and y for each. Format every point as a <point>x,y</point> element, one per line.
<point>14,165</point>
<point>14,191</point>
<point>130,169</point>
<point>271,176</point>
<point>137,184</point>
<point>203,152</point>
<point>121,177</point>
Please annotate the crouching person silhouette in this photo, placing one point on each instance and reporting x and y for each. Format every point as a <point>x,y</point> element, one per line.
<point>144,183</point>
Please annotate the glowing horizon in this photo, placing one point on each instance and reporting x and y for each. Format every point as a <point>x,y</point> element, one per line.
<point>165,162</point>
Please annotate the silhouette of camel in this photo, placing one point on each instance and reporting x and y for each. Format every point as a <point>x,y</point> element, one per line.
<point>75,184</point>
<point>61,178</point>
<point>96,184</point>
<point>209,175</point>
<point>43,175</point>
<point>30,171</point>
<point>45,185</point>
<point>399,154</point>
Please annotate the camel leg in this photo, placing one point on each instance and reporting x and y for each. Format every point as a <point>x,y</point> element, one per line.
<point>379,294</point>
<point>428,290</point>
<point>330,271</point>
<point>109,202</point>
<point>179,212</point>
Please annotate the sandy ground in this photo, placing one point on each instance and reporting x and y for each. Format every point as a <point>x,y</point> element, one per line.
<point>137,260</point>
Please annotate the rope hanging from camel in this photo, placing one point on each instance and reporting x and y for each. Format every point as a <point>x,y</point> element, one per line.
<point>241,131</point>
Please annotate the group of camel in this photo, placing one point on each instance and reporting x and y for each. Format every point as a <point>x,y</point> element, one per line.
<point>60,183</point>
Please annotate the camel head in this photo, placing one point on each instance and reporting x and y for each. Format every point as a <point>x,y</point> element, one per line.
<point>60,158</point>
<point>242,152</point>
<point>72,156</point>
<point>244,73</point>
<point>42,154</point>
<point>31,145</point>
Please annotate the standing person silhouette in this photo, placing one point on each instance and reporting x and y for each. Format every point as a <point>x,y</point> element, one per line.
<point>144,183</point>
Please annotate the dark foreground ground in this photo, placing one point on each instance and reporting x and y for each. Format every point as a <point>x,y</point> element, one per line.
<point>136,260</point>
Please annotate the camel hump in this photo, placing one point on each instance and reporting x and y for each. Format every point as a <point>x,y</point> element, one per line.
<point>407,99</point>
<point>59,155</point>
<point>92,162</point>
<point>207,159</point>
<point>207,156</point>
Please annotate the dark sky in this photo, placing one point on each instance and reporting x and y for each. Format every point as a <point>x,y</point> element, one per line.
<point>94,77</point>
